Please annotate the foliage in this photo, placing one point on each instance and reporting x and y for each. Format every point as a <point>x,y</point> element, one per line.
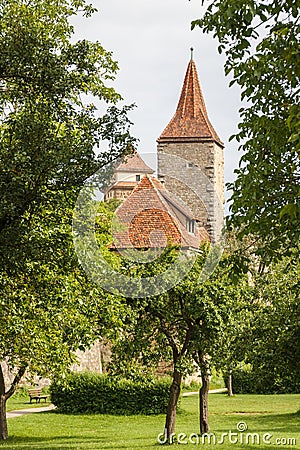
<point>190,316</point>
<point>48,133</point>
<point>266,337</point>
<point>49,307</point>
<point>47,144</point>
<point>201,309</point>
<point>186,325</point>
<point>262,381</point>
<point>49,130</point>
<point>94,393</point>
<point>271,339</point>
<point>261,43</point>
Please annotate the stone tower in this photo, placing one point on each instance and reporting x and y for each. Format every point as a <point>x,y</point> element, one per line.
<point>191,159</point>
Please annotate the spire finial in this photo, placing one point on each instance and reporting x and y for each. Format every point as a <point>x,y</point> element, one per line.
<point>192,53</point>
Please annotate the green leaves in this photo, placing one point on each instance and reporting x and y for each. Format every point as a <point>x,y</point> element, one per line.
<point>101,394</point>
<point>47,131</point>
<point>271,339</point>
<point>290,210</point>
<point>48,134</point>
<point>261,43</point>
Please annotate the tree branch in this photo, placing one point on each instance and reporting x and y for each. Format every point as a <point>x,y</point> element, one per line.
<point>168,335</point>
<point>16,381</point>
<point>187,338</point>
<point>2,383</point>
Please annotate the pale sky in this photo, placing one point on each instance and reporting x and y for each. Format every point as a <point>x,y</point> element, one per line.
<point>151,41</point>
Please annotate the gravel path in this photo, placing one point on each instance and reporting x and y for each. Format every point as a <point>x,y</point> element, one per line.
<point>21,412</point>
<point>212,391</point>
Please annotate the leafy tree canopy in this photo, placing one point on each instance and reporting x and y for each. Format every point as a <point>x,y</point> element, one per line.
<point>261,43</point>
<point>188,324</point>
<point>48,128</point>
<point>270,342</point>
<point>48,133</point>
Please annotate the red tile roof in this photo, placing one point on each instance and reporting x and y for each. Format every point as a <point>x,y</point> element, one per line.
<point>150,221</point>
<point>125,184</point>
<point>133,163</point>
<point>190,121</point>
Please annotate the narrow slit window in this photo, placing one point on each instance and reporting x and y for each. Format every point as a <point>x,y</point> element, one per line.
<point>190,226</point>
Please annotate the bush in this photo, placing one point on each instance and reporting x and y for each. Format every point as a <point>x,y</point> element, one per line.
<point>94,393</point>
<point>260,381</point>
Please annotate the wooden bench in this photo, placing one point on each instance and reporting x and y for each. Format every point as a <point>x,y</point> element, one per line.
<point>37,395</point>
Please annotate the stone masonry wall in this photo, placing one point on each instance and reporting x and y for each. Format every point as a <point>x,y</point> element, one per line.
<point>93,360</point>
<point>204,195</point>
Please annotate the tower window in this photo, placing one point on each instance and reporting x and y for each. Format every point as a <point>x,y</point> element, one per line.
<point>190,226</point>
<point>138,177</point>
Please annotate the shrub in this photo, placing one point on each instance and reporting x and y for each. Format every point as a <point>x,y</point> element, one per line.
<point>261,381</point>
<point>94,393</point>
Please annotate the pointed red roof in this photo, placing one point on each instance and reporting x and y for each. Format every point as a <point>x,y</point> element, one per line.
<point>146,220</point>
<point>190,121</point>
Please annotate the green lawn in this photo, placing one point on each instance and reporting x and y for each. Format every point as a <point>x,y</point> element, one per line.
<point>23,402</point>
<point>263,414</point>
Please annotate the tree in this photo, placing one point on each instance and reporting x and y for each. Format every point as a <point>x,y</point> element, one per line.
<point>48,134</point>
<point>261,43</point>
<point>185,325</point>
<point>270,342</point>
<point>49,309</point>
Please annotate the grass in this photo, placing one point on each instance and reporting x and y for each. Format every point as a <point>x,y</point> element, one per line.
<point>194,387</point>
<point>216,382</point>
<point>23,402</point>
<point>262,414</point>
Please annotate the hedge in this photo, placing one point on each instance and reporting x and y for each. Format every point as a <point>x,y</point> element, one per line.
<point>260,381</point>
<point>95,393</point>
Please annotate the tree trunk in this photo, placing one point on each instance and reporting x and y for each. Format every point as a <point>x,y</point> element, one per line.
<point>203,402</point>
<point>173,400</point>
<point>4,396</point>
<point>229,384</point>
<point>3,421</point>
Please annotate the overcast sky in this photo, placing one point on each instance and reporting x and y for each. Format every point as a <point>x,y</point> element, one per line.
<point>151,41</point>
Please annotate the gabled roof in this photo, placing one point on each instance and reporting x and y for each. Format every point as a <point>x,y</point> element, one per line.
<point>133,163</point>
<point>190,121</point>
<point>147,220</point>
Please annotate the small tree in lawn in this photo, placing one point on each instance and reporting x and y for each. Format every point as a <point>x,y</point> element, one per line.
<point>185,324</point>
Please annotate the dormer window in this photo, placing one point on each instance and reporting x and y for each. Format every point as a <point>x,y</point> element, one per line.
<point>190,226</point>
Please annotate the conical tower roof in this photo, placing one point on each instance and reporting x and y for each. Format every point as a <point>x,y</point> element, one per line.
<point>190,121</point>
